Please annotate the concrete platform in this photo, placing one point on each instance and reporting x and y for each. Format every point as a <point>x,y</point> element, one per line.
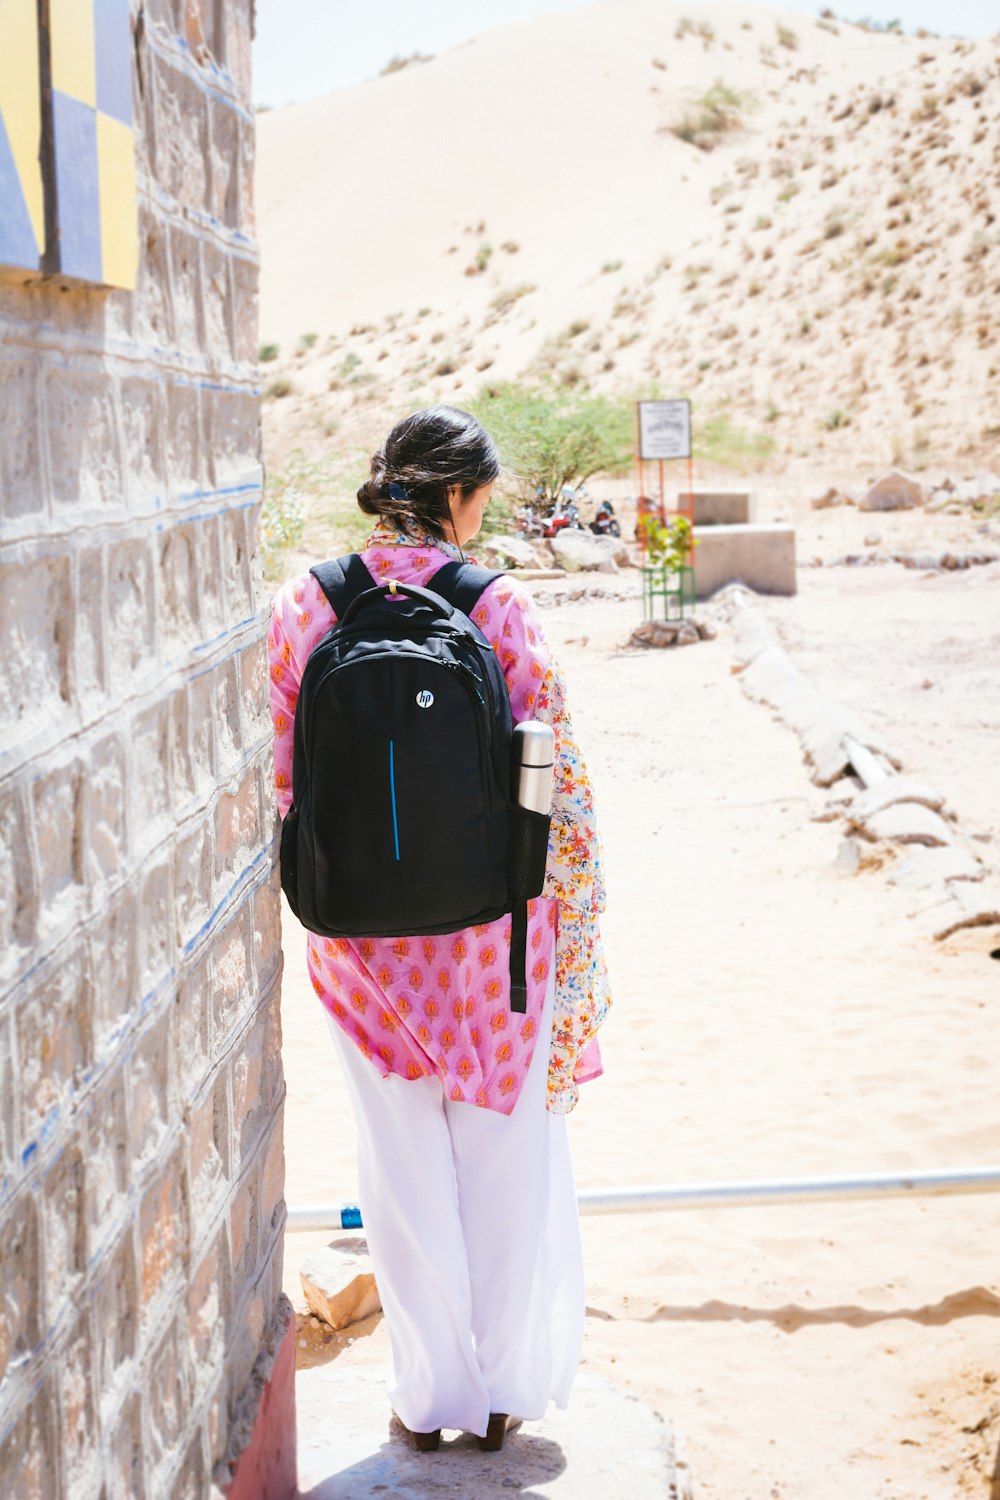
<point>608,1446</point>
<point>762,557</point>
<point>720,507</point>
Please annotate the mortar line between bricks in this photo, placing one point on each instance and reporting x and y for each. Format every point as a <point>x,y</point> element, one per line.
<point>104,531</point>
<point>205,226</point>
<point>110,352</point>
<point>143,855</point>
<point>46,1145</point>
<point>171,678</point>
<point>163,1309</point>
<point>173,49</point>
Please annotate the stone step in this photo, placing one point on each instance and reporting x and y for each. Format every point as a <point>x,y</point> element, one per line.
<point>762,557</point>
<point>607,1446</point>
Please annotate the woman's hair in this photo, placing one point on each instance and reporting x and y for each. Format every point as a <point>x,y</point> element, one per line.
<point>419,462</point>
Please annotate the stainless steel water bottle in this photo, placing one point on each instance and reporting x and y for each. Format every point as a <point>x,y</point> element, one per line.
<point>533,750</point>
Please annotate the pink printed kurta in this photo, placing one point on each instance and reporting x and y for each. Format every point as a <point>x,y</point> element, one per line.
<point>418,1006</point>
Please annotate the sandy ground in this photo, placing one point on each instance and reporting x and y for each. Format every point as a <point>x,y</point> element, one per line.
<point>774,1017</point>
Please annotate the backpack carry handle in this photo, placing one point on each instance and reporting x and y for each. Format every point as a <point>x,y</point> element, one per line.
<point>411,590</point>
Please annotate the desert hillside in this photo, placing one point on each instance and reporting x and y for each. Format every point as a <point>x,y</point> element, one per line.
<point>792,220</point>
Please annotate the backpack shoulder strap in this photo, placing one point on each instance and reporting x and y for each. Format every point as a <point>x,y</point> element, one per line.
<point>461,584</point>
<point>342,580</point>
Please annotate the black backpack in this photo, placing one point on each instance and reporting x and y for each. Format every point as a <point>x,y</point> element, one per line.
<point>402,821</point>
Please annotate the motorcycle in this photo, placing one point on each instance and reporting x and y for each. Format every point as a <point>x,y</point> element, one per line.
<point>605,522</point>
<point>563,516</point>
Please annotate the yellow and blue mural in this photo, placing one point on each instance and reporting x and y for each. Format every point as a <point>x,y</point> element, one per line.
<point>22,210</point>
<point>87,155</point>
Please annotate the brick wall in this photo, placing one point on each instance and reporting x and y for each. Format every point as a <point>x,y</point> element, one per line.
<point>141,1168</point>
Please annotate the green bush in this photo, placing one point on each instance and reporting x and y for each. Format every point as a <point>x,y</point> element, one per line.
<point>554,436</point>
<point>268,352</point>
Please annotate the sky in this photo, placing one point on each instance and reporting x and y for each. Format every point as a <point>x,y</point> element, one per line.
<point>309,47</point>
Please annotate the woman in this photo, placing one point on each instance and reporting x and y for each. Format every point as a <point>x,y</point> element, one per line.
<point>465,1182</point>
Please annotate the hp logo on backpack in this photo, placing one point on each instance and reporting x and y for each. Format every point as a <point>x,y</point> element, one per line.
<point>425,699</point>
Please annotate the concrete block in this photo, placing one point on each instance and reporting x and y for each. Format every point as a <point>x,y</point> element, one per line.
<point>272,1184</point>
<point>179,607</point>
<point>209,1137</point>
<point>149,1092</point>
<point>57,818</point>
<point>130,638</point>
<point>23,488</point>
<point>193,866</point>
<point>78,1429</point>
<point>163,1233</point>
<point>248,1092</point>
<point>89,663</point>
<point>81,425</point>
<point>217,304</point>
<point>125,1452</point>
<point>233,991</point>
<point>719,507</point>
<point>339,1284</point>
<point>244,274</point>
<point>762,557</point>
<point>29,1453</point>
<point>214,618</point>
<point>238,549</point>
<point>905,823</point>
<point>9,1153</point>
<point>52,1021</point>
<point>186,455</point>
<point>224,151</point>
<point>143,410</point>
<point>208,1297</point>
<point>64,1229</point>
<point>266,919</point>
<point>38,632</point>
<point>191,1029</point>
<point>228,728</point>
<point>112,945</point>
<point>186,292</point>
<point>114,1295</point>
<point>154,315</point>
<point>108,1156</point>
<point>232,418</point>
<point>894,789</point>
<point>255,687</point>
<point>237,833</point>
<point>20,1286</point>
<point>167,1400</point>
<point>927,868</point>
<point>969,904</point>
<point>105,796</point>
<point>155,929</point>
<point>18,873</point>
<point>150,779</point>
<point>201,736</point>
<point>182,136</point>
<point>244,1229</point>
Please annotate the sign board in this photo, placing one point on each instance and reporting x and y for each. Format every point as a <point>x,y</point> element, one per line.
<point>664,429</point>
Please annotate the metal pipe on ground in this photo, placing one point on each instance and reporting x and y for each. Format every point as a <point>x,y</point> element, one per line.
<point>929,1184</point>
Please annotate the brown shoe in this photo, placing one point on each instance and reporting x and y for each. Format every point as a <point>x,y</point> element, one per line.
<point>496,1430</point>
<point>424,1442</point>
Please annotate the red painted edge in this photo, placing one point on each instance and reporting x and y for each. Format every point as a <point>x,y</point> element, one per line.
<point>266,1468</point>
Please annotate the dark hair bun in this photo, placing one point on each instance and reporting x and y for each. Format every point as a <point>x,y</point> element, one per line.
<point>425,456</point>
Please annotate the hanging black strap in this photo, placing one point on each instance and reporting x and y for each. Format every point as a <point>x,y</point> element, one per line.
<point>461,584</point>
<point>518,956</point>
<point>342,581</point>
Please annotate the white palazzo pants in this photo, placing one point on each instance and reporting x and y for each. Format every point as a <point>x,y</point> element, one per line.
<point>471,1221</point>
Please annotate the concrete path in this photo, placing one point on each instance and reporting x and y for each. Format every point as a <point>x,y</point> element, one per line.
<point>608,1446</point>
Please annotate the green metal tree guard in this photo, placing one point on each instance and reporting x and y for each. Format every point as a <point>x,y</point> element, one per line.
<point>674,585</point>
